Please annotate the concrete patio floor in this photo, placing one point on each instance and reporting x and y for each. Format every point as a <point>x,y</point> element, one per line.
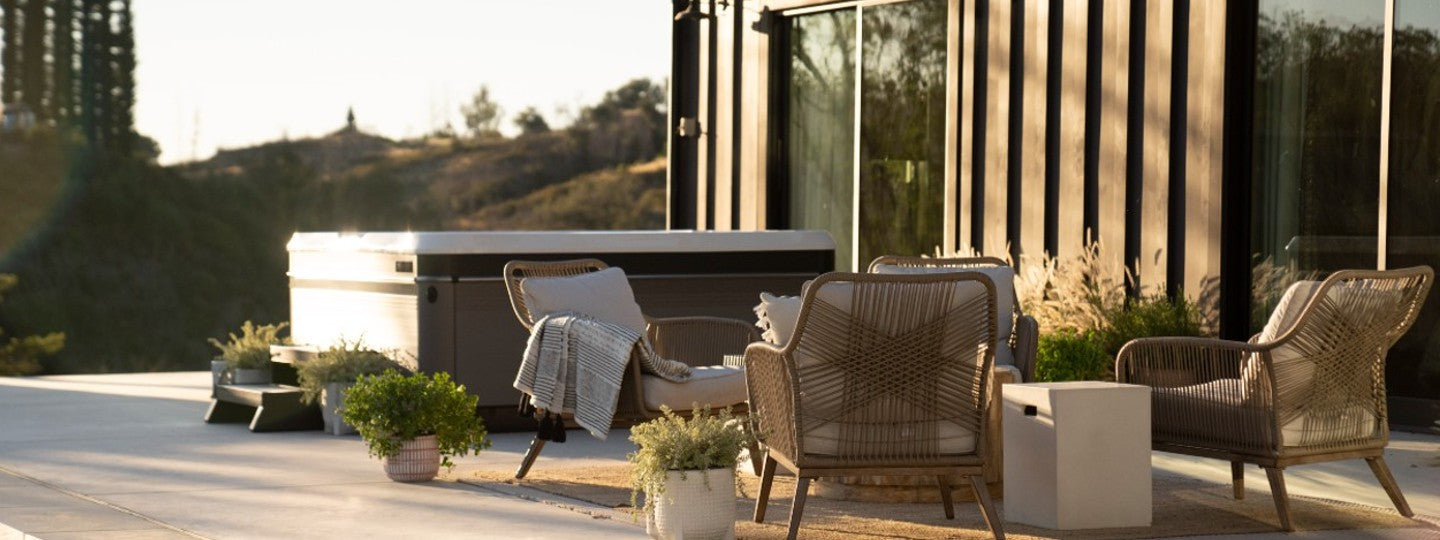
<point>127,457</point>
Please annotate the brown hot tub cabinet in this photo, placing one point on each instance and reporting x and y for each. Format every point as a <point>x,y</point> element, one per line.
<point>439,299</point>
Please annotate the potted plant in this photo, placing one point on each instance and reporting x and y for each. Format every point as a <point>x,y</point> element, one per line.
<point>416,423</point>
<point>328,375</point>
<point>247,356</point>
<point>686,468</point>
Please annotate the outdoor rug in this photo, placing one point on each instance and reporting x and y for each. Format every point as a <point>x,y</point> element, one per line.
<point>1182,507</point>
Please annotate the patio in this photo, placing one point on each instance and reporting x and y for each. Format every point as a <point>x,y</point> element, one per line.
<point>126,456</point>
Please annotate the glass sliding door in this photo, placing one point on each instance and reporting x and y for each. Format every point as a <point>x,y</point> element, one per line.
<point>1317,142</point>
<point>877,184</point>
<point>1412,222</point>
<point>820,130</point>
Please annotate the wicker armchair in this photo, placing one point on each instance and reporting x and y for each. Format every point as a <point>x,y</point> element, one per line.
<point>1311,388</point>
<point>885,375</point>
<point>697,341</point>
<point>1025,334</point>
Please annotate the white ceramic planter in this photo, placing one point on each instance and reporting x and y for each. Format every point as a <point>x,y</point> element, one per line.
<point>418,460</point>
<point>691,510</point>
<point>250,376</point>
<point>218,372</point>
<point>332,402</point>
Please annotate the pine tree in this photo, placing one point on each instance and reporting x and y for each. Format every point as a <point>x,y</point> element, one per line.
<point>63,100</point>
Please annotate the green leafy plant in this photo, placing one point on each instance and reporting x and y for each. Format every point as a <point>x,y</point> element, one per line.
<point>674,443</point>
<point>391,408</point>
<point>1069,355</point>
<point>343,362</point>
<point>250,349</point>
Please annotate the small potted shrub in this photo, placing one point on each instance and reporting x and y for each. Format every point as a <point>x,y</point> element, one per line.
<point>247,356</point>
<point>328,375</point>
<point>416,423</point>
<point>686,468</point>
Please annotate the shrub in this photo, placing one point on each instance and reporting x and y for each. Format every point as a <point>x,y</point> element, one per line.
<point>1068,355</point>
<point>250,349</point>
<point>673,443</point>
<point>391,408</point>
<point>344,362</point>
<point>1151,316</point>
<point>21,355</point>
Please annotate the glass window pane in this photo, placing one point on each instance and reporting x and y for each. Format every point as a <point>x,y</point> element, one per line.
<point>821,129</point>
<point>1317,144</point>
<point>902,128</point>
<point>1413,225</point>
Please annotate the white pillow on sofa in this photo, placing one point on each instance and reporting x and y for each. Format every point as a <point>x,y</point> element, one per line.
<point>604,295</point>
<point>1286,314</point>
<point>776,316</point>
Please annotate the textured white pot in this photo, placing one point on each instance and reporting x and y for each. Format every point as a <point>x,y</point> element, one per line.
<point>250,376</point>
<point>332,402</point>
<point>418,460</point>
<point>218,370</point>
<point>691,510</point>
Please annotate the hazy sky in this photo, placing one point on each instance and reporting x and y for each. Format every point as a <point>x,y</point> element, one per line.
<point>230,73</point>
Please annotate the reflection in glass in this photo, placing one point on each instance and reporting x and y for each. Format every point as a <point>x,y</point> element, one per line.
<point>1317,144</point>
<point>821,130</point>
<point>902,128</point>
<point>1413,224</point>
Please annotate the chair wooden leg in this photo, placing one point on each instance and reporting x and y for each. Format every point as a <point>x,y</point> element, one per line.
<point>534,452</point>
<point>1282,500</point>
<point>1387,480</point>
<point>1237,479</point>
<point>944,481</point>
<point>767,477</point>
<point>802,488</point>
<point>987,507</point>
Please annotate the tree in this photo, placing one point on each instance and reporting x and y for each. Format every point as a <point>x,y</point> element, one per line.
<point>482,114</point>
<point>9,65</point>
<point>531,121</point>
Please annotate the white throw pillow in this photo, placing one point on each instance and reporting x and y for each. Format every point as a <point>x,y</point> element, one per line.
<point>603,295</point>
<point>776,316</point>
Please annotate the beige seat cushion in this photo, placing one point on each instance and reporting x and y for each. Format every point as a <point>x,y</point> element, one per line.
<point>716,386</point>
<point>1178,408</point>
<point>604,295</point>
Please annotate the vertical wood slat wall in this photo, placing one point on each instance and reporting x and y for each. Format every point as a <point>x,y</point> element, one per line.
<point>981,168</point>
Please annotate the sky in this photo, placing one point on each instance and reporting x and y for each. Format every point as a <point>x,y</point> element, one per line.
<point>231,73</point>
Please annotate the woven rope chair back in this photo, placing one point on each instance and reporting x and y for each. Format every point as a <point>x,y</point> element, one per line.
<point>517,271</point>
<point>893,368</point>
<point>1329,368</point>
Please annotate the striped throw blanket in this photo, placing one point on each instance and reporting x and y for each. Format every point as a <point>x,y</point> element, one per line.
<point>574,364</point>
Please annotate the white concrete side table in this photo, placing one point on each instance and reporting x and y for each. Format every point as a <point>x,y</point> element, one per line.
<point>1077,455</point>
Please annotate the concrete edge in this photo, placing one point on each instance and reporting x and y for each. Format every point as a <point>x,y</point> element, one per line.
<point>80,499</point>
<point>578,506</point>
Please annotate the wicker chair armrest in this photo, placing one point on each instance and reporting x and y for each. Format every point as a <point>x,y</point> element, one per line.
<point>770,380</point>
<point>1183,361</point>
<point>1023,346</point>
<point>700,341</point>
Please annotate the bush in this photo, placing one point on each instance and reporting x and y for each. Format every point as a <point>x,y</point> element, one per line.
<point>21,356</point>
<point>1067,355</point>
<point>390,408</point>
<point>344,362</point>
<point>1152,316</point>
<point>673,443</point>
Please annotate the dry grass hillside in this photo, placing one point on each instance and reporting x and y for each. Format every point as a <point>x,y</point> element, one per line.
<point>631,197</point>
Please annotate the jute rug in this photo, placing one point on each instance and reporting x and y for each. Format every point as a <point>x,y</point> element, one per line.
<point>1182,507</point>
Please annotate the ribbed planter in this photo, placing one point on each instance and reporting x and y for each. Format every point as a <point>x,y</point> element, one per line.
<point>418,460</point>
<point>332,401</point>
<point>691,510</point>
